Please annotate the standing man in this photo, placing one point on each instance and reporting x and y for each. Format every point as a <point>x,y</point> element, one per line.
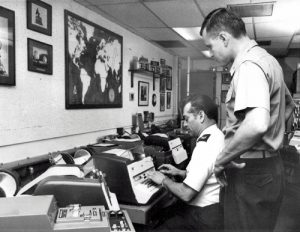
<point>199,190</point>
<point>258,105</point>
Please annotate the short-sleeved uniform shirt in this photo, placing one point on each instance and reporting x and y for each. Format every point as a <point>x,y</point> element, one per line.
<point>257,82</point>
<point>200,175</point>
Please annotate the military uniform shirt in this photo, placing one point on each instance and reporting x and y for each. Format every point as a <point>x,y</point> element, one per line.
<point>257,83</point>
<point>200,176</point>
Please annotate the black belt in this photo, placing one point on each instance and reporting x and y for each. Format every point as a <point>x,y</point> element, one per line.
<point>258,154</point>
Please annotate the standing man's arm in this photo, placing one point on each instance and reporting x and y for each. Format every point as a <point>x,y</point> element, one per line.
<point>253,127</point>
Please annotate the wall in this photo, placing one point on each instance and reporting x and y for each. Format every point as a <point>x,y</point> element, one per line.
<point>34,120</point>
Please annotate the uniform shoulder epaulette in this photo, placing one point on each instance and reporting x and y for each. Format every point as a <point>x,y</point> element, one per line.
<point>203,138</point>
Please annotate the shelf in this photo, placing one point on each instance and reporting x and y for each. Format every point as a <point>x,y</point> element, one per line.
<point>144,73</point>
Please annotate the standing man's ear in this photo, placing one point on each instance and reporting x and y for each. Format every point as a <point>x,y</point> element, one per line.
<point>224,36</point>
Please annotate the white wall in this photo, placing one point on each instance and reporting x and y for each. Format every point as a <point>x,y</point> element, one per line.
<point>33,118</point>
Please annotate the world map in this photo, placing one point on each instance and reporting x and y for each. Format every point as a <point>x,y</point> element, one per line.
<point>94,73</point>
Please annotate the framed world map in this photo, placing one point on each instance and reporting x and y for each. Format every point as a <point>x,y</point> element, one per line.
<point>93,65</point>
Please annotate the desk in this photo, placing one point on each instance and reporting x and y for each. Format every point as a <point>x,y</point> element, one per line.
<point>147,214</point>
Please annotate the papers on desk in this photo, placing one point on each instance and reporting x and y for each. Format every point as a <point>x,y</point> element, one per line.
<point>295,140</point>
<point>121,153</point>
<point>105,145</point>
<point>127,140</point>
<point>161,135</point>
<point>178,152</point>
<point>56,170</point>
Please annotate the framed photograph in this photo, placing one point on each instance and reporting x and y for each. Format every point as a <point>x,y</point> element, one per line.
<point>143,93</point>
<point>169,83</point>
<point>168,100</point>
<point>162,101</point>
<point>39,16</point>
<point>131,96</point>
<point>40,57</point>
<point>154,99</point>
<point>7,47</point>
<point>162,85</point>
<point>223,95</point>
<point>226,78</point>
<point>94,60</point>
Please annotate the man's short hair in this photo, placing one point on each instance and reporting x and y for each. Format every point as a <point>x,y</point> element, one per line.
<point>205,103</point>
<point>223,19</point>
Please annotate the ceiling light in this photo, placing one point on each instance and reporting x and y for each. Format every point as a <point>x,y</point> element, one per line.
<point>253,9</point>
<point>189,33</point>
<point>207,53</point>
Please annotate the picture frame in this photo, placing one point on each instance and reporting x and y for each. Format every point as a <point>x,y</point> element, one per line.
<point>162,85</point>
<point>143,92</point>
<point>223,96</point>
<point>92,82</point>
<point>169,83</point>
<point>226,78</point>
<point>7,47</point>
<point>154,99</point>
<point>39,56</point>
<point>168,100</point>
<point>162,101</point>
<point>39,17</point>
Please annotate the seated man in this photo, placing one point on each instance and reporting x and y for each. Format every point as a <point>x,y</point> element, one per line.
<point>198,208</point>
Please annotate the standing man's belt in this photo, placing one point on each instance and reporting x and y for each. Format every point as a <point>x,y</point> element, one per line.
<point>258,154</point>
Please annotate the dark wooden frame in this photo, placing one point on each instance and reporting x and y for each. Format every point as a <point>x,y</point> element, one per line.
<point>169,100</point>
<point>141,102</point>
<point>112,94</point>
<point>44,62</point>
<point>154,99</point>
<point>169,83</point>
<point>162,85</point>
<point>7,49</point>
<point>162,102</point>
<point>35,5</point>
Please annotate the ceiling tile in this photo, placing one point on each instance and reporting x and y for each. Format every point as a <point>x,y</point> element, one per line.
<point>198,44</point>
<point>177,13</point>
<point>208,5</point>
<point>133,14</point>
<point>277,29</point>
<point>283,10</point>
<point>185,52</point>
<point>159,33</point>
<point>100,2</point>
<point>171,43</point>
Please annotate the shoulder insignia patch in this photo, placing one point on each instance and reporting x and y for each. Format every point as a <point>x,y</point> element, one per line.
<point>203,138</point>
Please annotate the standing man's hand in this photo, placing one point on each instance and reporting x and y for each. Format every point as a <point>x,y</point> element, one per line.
<point>220,174</point>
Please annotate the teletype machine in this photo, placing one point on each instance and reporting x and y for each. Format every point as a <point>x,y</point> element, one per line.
<point>126,177</point>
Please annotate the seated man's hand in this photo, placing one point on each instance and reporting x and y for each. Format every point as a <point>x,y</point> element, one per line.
<point>156,177</point>
<point>168,169</point>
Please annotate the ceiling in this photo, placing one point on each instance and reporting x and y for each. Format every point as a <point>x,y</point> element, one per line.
<point>153,20</point>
